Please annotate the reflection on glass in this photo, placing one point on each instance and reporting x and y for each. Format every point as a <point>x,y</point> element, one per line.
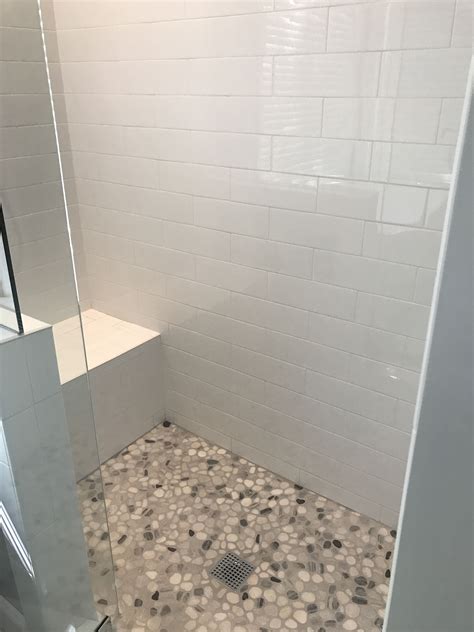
<point>10,314</point>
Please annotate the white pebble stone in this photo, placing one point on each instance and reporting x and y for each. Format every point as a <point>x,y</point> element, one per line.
<point>349,625</point>
<point>300,616</point>
<point>304,576</point>
<point>175,579</point>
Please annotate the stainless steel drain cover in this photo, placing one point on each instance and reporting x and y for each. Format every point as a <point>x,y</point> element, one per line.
<point>232,571</point>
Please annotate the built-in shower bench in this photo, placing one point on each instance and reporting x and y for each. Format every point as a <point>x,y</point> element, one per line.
<point>126,384</point>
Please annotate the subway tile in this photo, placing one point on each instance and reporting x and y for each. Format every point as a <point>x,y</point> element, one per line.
<point>362,340</point>
<point>231,76</point>
<point>203,180</point>
<point>272,256</point>
<point>404,415</point>
<point>269,369</point>
<point>450,121</point>
<point>164,260</point>
<point>265,34</point>
<point>425,280</point>
<point>422,165</point>
<point>424,73</point>
<point>312,296</point>
<point>42,364</point>
<point>232,277</point>
<point>164,310</point>
<point>318,231</point>
<point>244,219</point>
<point>271,188</point>
<point>366,275</point>
<point>351,397</point>
<point>303,353</point>
<point>139,172</point>
<point>269,314</point>
<point>196,240</point>
<point>436,207</point>
<point>254,115</point>
<point>247,151</point>
<point>334,419</point>
<point>20,77</point>
<point>356,200</point>
<point>368,119</point>
<point>327,75</point>
<point>393,315</point>
<point>212,299</point>
<point>403,205</point>
<point>416,120</point>
<point>17,394</point>
<point>382,26</point>
<point>18,142</point>
<point>211,8</point>
<point>402,244</point>
<point>199,345</point>
<point>462,26</point>
<point>383,378</point>
<point>322,157</point>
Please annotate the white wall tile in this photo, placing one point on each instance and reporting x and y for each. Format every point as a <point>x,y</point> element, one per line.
<point>231,76</point>
<point>254,115</point>
<point>462,27</point>
<point>358,200</point>
<point>392,315</point>
<point>436,208</point>
<point>424,73</point>
<point>361,401</point>
<point>327,75</point>
<point>383,378</point>
<point>272,256</point>
<point>268,369</point>
<point>269,314</point>
<point>359,339</point>
<point>369,119</point>
<point>248,151</point>
<point>364,274</point>
<point>422,165</point>
<point>311,295</point>
<point>271,188</point>
<point>402,244</point>
<point>425,280</point>
<point>450,121</point>
<point>232,277</point>
<point>376,26</point>
<point>199,241</point>
<point>322,157</point>
<point>403,205</point>
<point>17,394</point>
<point>244,219</point>
<point>247,181</point>
<point>416,120</point>
<point>314,230</point>
<point>202,180</point>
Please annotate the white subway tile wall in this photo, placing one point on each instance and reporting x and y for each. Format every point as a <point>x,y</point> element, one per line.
<point>30,182</point>
<point>265,184</point>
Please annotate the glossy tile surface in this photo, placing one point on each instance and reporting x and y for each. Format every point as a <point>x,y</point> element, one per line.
<point>177,504</point>
<point>264,183</point>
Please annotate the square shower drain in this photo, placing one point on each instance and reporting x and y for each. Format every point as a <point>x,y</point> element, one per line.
<point>232,571</point>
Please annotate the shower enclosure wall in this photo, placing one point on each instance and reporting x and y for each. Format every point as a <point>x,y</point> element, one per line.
<point>264,183</point>
<point>44,579</point>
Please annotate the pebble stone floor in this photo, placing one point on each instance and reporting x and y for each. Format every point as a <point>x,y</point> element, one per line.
<point>177,503</point>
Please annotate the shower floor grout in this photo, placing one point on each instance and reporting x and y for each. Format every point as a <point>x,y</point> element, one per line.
<point>177,503</point>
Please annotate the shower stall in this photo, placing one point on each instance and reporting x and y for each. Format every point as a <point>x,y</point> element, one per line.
<point>223,220</point>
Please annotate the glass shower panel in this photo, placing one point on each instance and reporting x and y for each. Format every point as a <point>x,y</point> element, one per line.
<point>51,496</point>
